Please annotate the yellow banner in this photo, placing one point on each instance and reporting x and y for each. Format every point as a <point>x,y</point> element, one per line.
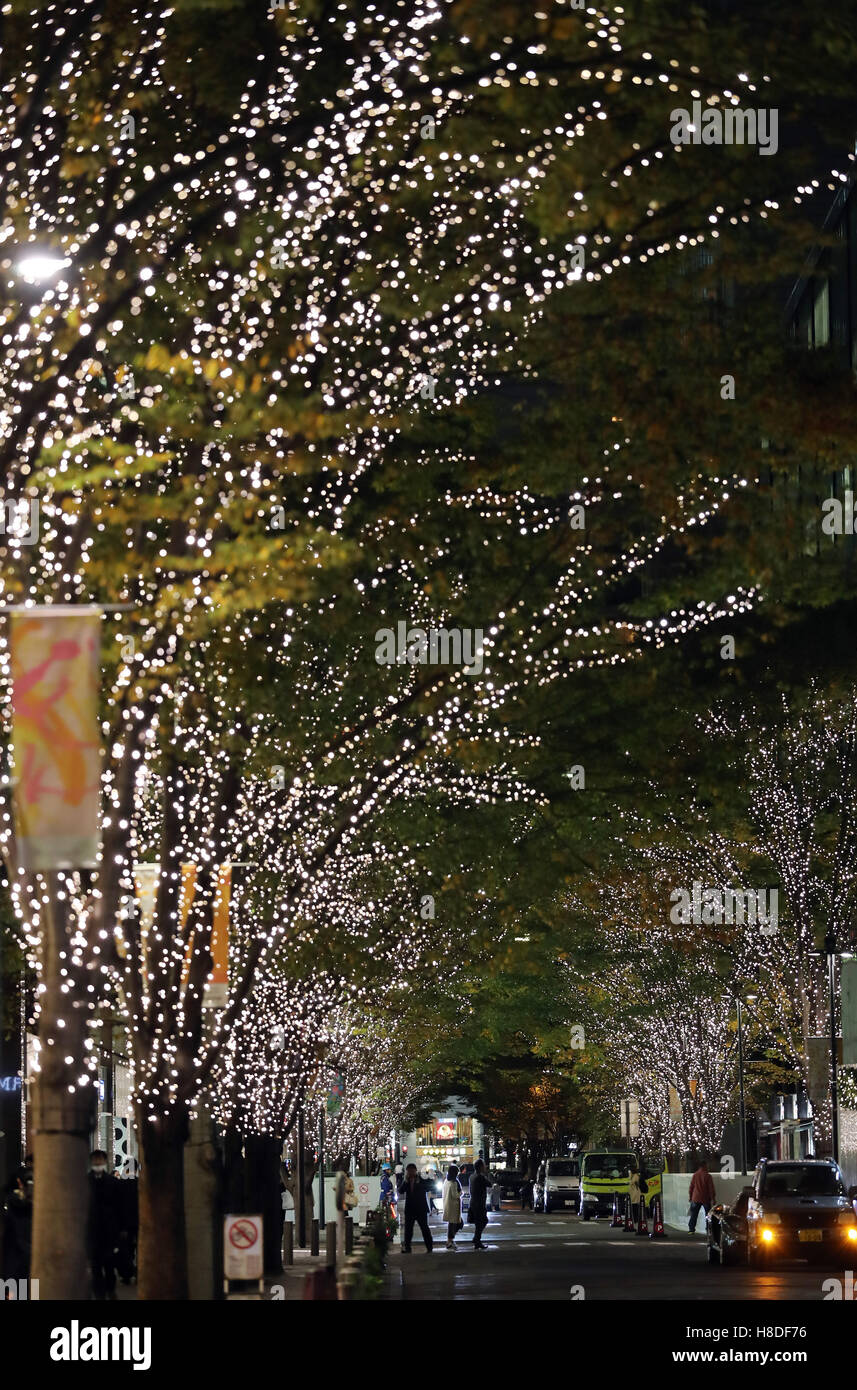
<point>56,741</point>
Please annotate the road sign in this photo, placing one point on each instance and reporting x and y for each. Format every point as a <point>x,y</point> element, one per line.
<point>242,1247</point>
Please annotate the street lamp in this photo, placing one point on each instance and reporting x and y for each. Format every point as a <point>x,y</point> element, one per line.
<point>830,952</point>
<point>742,1113</point>
<point>36,266</point>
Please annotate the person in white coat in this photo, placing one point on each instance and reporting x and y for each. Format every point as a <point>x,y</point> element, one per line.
<point>635,1195</point>
<point>452,1205</point>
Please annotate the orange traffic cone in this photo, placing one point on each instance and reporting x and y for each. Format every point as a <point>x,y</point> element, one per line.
<point>629,1221</point>
<point>617,1220</point>
<point>658,1231</point>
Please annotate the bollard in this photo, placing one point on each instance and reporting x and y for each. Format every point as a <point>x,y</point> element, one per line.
<point>349,1235</point>
<point>617,1220</point>
<point>288,1242</point>
<point>313,1237</point>
<point>330,1243</point>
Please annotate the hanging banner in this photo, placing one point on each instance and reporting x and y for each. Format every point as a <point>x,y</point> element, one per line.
<point>334,1096</point>
<point>56,740</point>
<point>146,881</point>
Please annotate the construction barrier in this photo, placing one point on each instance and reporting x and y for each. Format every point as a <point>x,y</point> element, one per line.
<point>658,1232</point>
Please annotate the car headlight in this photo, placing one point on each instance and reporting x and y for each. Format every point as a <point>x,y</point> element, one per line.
<point>846,1218</point>
<point>767,1235</point>
<point>771,1218</point>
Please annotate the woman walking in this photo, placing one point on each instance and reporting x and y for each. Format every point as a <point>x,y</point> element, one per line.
<point>452,1205</point>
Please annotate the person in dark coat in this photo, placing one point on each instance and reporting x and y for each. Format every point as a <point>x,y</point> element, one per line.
<point>18,1227</point>
<point>128,1217</point>
<point>103,1225</point>
<point>479,1203</point>
<point>415,1191</point>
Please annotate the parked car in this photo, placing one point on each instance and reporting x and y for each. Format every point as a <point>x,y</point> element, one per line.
<point>511,1181</point>
<point>800,1209</point>
<point>727,1230</point>
<point>557,1185</point>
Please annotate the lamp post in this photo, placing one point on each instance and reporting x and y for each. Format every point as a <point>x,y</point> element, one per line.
<point>830,951</point>
<point>301,1181</point>
<point>741,1106</point>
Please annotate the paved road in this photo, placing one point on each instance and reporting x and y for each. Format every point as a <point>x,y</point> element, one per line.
<point>542,1257</point>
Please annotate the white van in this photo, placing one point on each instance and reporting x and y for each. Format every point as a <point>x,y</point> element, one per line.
<point>557,1185</point>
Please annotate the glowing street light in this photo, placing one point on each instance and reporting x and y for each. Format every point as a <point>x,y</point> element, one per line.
<point>36,266</point>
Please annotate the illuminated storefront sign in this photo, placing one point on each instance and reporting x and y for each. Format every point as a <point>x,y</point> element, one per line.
<point>444,1130</point>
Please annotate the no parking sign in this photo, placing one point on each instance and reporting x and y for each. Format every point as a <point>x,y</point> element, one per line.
<point>242,1247</point>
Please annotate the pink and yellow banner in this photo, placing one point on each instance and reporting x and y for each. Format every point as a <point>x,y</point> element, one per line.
<point>56,740</point>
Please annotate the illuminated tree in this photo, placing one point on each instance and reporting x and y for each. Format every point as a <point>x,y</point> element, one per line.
<point>320,256</point>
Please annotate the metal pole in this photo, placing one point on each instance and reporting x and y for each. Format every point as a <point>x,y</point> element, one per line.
<point>830,947</point>
<point>741,1110</point>
<point>321,1220</point>
<point>301,1182</point>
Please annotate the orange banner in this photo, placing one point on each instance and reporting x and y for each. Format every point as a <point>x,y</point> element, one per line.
<point>56,741</point>
<point>146,879</point>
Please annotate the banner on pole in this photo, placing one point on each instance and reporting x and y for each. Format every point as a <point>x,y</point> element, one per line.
<point>334,1096</point>
<point>146,881</point>
<point>56,742</point>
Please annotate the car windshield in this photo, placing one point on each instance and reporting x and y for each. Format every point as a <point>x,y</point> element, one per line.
<point>607,1165</point>
<point>563,1168</point>
<point>797,1181</point>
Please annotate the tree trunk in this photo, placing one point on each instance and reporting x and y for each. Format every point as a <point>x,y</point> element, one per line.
<point>60,1193</point>
<point>202,1178</point>
<point>162,1249</point>
<point>262,1167</point>
<point>62,1119</point>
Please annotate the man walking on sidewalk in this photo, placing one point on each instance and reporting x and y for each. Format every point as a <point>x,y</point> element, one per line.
<point>701,1194</point>
<point>479,1203</point>
<point>414,1192</point>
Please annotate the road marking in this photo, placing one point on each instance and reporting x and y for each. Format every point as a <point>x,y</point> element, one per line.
<point>577,1242</point>
<point>531,1245</point>
<point>525,1223</point>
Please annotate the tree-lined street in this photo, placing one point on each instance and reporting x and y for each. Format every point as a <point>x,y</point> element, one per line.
<point>428,694</point>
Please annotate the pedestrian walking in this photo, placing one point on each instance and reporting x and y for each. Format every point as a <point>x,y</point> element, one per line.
<point>479,1203</point>
<point>103,1226</point>
<point>128,1216</point>
<point>700,1194</point>
<point>344,1200</point>
<point>415,1192</point>
<point>527,1194</point>
<point>635,1194</point>
<point>388,1191</point>
<point>452,1206</point>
